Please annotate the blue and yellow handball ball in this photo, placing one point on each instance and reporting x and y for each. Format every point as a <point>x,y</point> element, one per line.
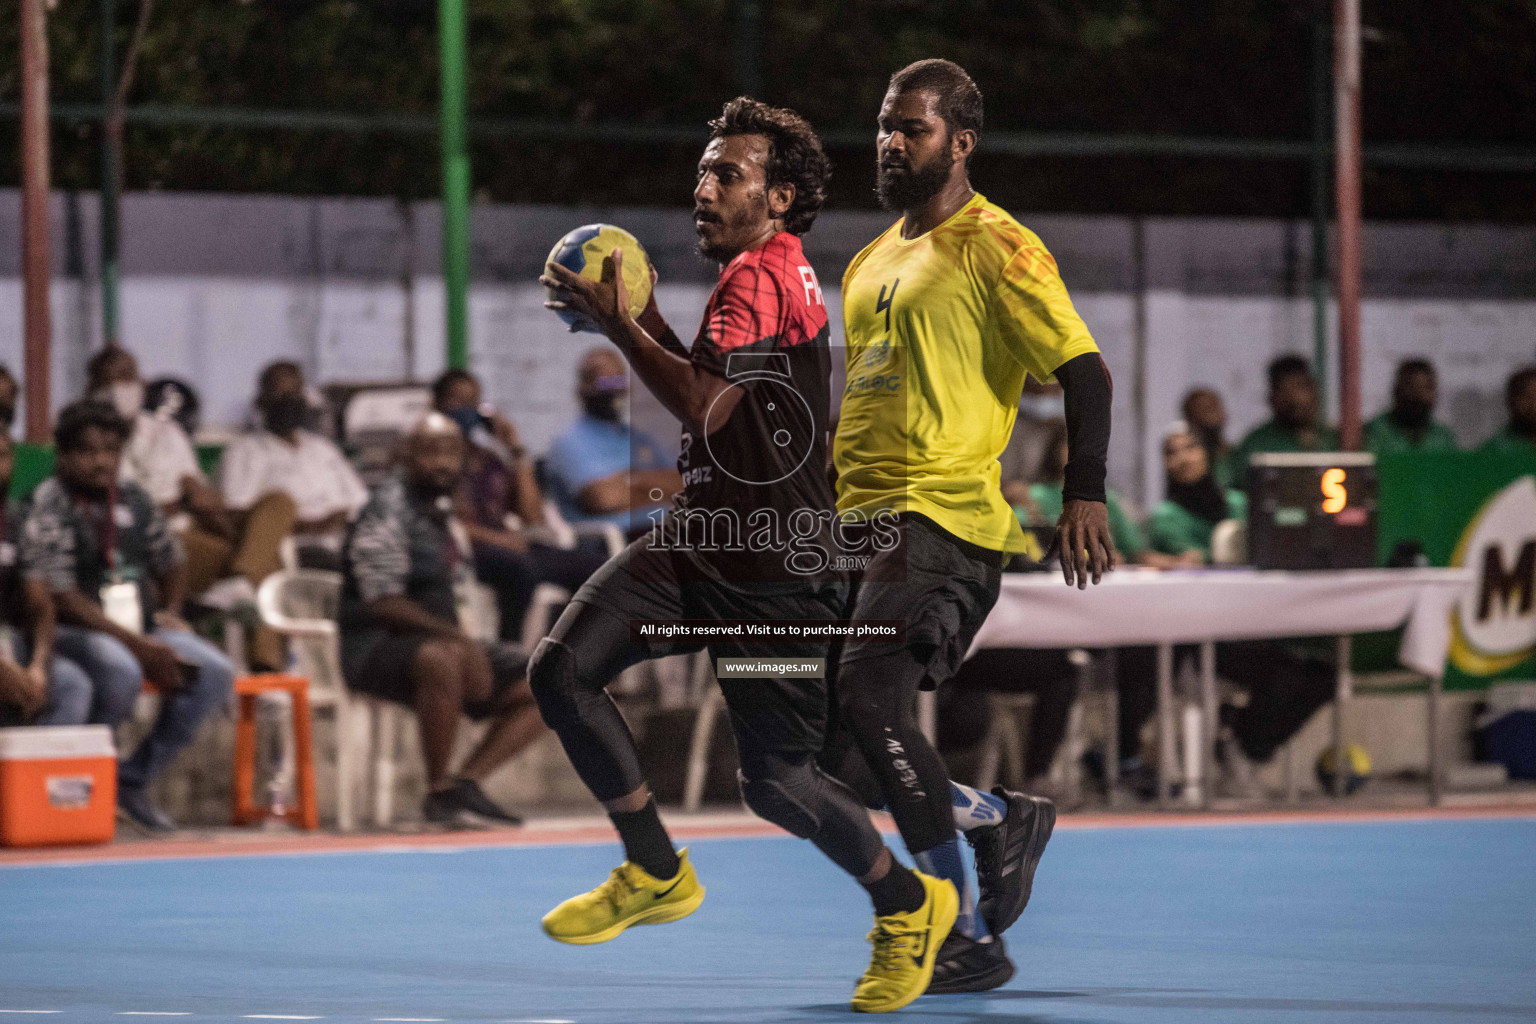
<point>583,251</point>
<point>1357,767</point>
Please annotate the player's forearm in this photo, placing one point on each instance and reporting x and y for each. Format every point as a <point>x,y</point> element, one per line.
<point>684,391</point>
<point>1088,393</point>
<point>173,588</point>
<point>75,609</point>
<point>41,618</point>
<point>530,500</point>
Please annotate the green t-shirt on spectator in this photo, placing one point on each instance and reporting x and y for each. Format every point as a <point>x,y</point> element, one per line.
<point>1172,529</point>
<point>1122,528</point>
<point>1507,442</point>
<point>1272,437</point>
<point>1384,437</point>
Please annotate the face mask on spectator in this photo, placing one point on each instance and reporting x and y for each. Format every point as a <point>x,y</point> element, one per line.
<point>467,417</point>
<point>126,396</point>
<point>607,405</point>
<point>285,413</point>
<point>1412,413</point>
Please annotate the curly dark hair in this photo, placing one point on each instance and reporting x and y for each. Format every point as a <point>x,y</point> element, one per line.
<point>78,417</point>
<point>795,156</point>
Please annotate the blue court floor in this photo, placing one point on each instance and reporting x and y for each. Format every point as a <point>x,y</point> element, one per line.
<point>1295,923</point>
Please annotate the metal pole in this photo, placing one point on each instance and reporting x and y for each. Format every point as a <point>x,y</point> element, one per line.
<point>1166,756</point>
<point>1322,153</point>
<point>1436,776</point>
<point>111,181</point>
<point>1344,689</point>
<point>451,39</point>
<point>1346,58</point>
<point>36,262</point>
<point>1211,721</point>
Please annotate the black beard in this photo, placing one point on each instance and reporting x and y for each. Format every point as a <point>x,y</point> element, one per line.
<point>907,190</point>
<point>718,253</point>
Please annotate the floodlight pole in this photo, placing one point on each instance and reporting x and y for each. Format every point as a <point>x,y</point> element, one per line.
<point>452,44</point>
<point>1346,85</point>
<point>111,179</point>
<point>36,261</point>
<point>1322,188</point>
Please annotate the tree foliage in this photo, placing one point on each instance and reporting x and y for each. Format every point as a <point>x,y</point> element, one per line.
<point>1436,71</point>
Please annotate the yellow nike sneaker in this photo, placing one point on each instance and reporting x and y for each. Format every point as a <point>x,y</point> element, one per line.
<point>905,948</point>
<point>629,897</point>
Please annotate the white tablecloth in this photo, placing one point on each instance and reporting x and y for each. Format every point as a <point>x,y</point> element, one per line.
<point>1136,606</point>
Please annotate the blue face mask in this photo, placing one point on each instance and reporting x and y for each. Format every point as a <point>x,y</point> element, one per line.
<point>468,418</point>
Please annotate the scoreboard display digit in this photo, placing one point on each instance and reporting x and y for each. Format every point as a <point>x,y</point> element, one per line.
<point>1312,510</point>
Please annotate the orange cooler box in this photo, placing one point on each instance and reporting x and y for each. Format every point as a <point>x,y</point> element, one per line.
<point>58,785</point>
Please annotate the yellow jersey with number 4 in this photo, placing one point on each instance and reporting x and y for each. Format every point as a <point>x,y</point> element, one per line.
<point>941,331</point>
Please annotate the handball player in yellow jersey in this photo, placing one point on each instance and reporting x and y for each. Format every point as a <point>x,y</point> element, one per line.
<point>944,315</point>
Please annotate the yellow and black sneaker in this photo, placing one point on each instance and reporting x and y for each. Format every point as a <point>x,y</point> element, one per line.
<point>629,897</point>
<point>905,948</point>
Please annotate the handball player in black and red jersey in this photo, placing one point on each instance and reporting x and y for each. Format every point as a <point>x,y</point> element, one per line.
<point>751,537</point>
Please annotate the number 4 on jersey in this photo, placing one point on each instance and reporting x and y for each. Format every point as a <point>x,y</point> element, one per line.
<point>883,303</point>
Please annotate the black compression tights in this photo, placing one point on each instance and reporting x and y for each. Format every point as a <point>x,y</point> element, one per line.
<point>877,749</point>
<point>572,666</point>
<point>587,649</point>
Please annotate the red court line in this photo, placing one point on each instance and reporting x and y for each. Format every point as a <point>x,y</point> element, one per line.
<point>568,835</point>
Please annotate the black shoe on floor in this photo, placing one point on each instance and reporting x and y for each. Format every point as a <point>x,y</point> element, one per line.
<point>465,805</point>
<point>966,966</point>
<point>1007,855</point>
<point>134,804</point>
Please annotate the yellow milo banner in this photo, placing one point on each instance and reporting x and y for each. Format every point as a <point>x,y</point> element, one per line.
<point>1476,511</point>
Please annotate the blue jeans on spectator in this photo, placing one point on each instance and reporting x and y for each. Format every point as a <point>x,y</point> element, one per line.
<point>69,688</point>
<point>117,680</point>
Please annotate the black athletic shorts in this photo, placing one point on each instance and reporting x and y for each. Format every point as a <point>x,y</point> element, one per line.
<point>773,715</point>
<point>944,588</point>
<point>380,661</point>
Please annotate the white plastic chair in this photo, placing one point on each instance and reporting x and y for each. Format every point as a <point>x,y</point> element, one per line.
<point>302,604</point>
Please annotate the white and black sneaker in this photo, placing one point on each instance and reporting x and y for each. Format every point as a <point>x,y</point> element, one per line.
<point>966,966</point>
<point>1007,855</point>
<point>464,805</point>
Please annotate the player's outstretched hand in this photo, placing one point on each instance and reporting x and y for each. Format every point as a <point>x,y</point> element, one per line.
<point>1083,542</point>
<point>605,301</point>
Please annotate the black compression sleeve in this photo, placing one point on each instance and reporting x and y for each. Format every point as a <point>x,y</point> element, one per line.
<point>1088,392</point>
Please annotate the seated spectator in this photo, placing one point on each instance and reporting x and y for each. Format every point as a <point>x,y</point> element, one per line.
<point>9,393</point>
<point>1048,674</point>
<point>1518,436</point>
<point>408,574</point>
<point>1295,426</point>
<point>500,482</point>
<point>159,458</point>
<point>117,578</point>
<point>35,688</point>
<point>1284,687</point>
<point>1207,417</point>
<point>1180,526</point>
<point>1409,425</point>
<point>282,457</point>
<point>599,470</point>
